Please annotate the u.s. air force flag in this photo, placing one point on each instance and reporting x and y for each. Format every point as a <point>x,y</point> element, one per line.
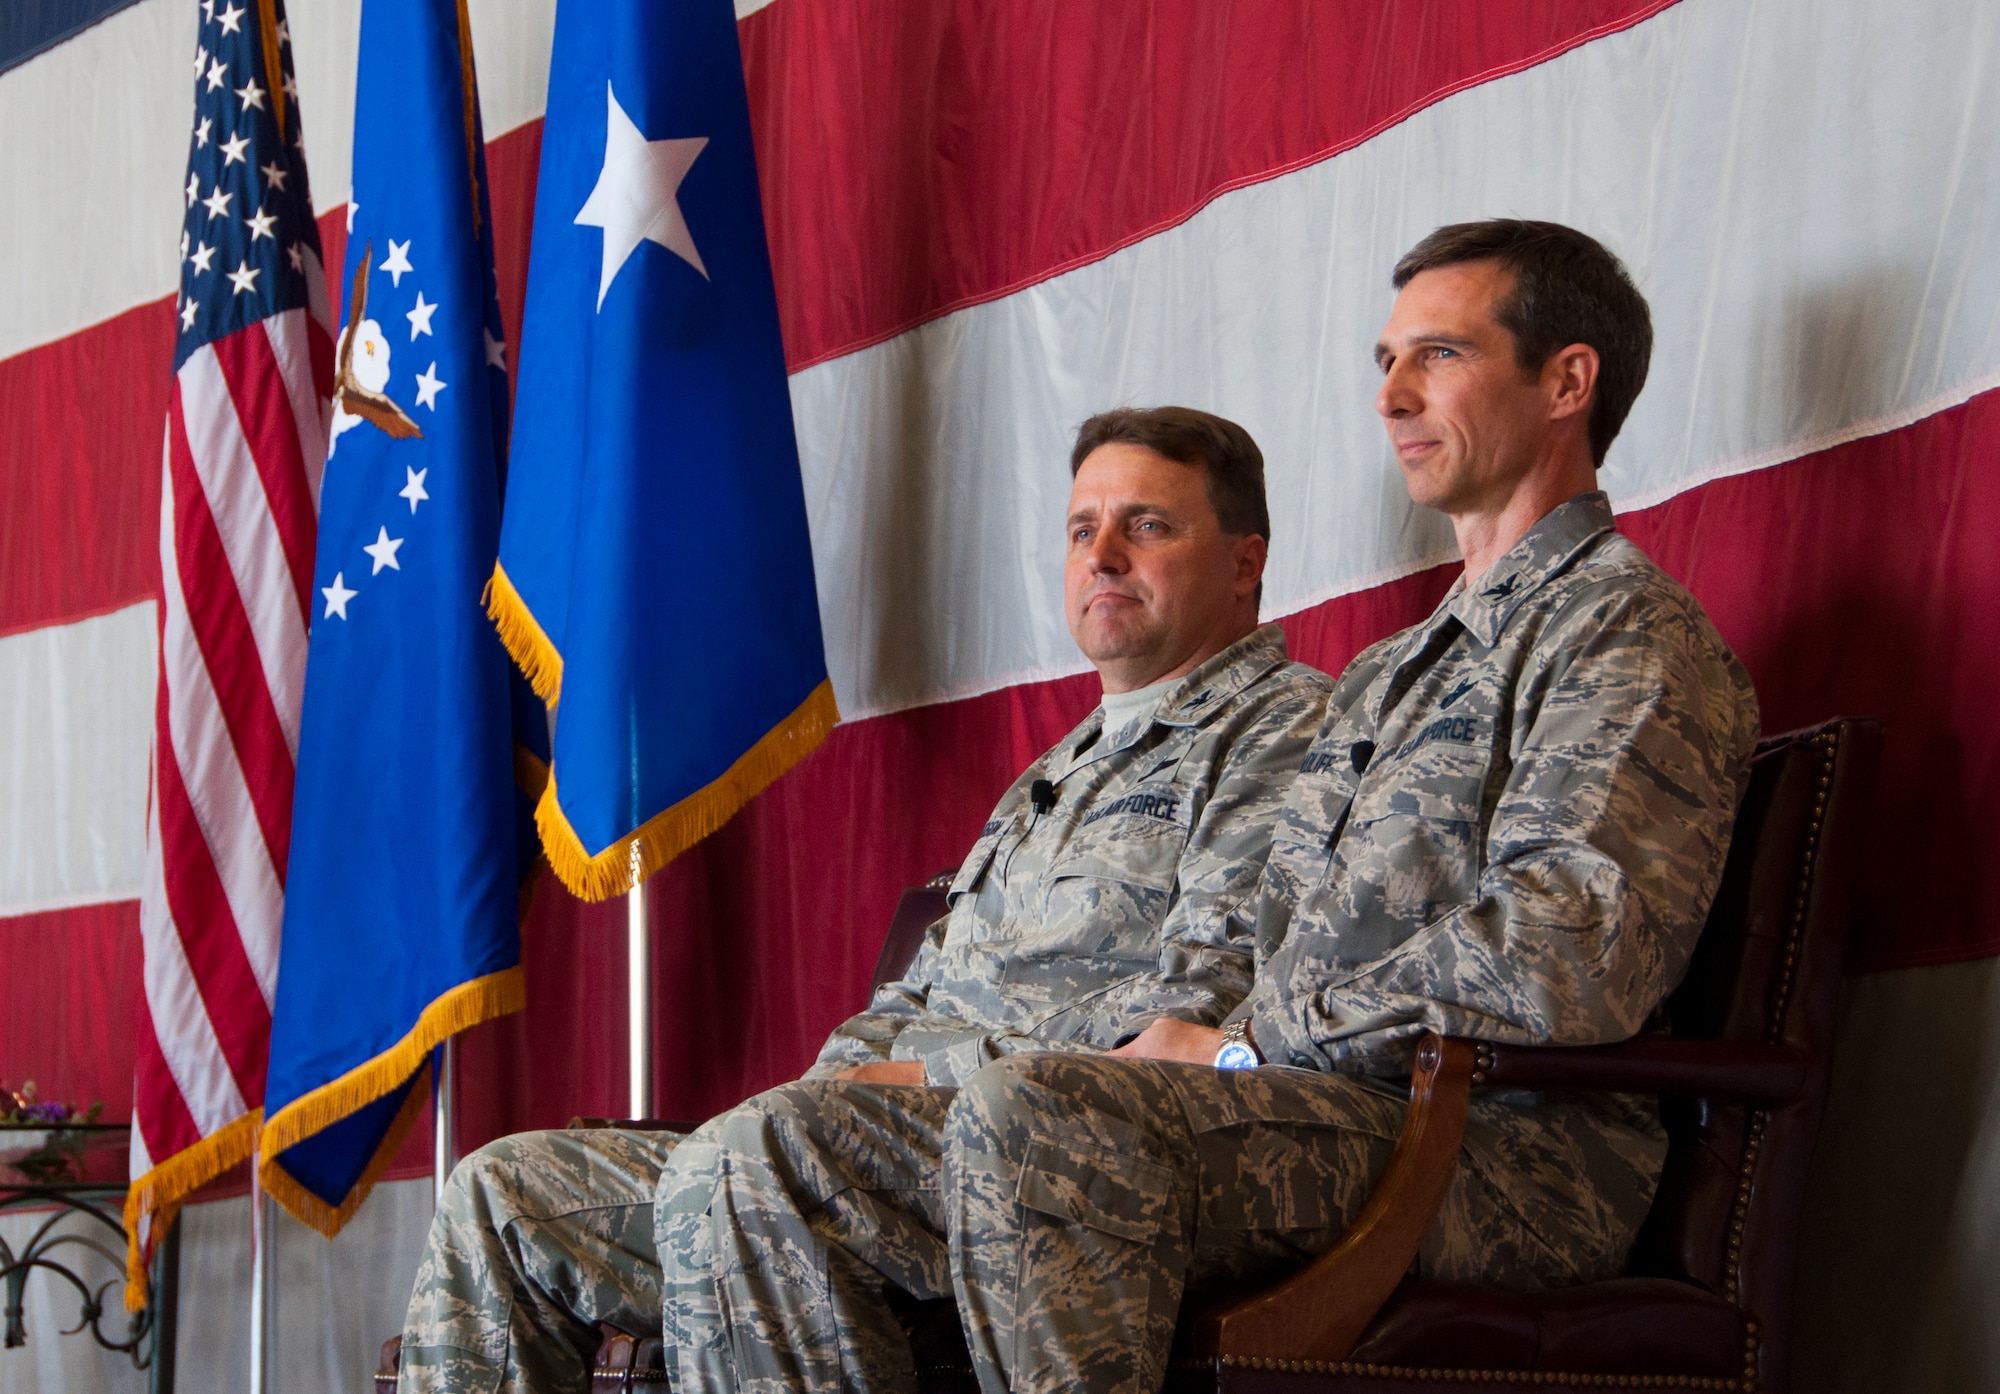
<point>655,573</point>
<point>401,908</point>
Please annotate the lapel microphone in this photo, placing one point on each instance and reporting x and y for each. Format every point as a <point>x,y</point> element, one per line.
<point>1042,795</point>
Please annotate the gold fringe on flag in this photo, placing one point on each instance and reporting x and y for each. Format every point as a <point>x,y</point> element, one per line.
<point>522,636</point>
<point>671,832</point>
<point>158,1194</point>
<point>466,1005</point>
<point>329,1219</point>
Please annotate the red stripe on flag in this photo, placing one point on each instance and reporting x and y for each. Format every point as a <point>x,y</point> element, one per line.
<point>993,147</point>
<point>159,1112</point>
<point>229,647</point>
<point>257,389</point>
<point>80,470</point>
<point>209,933</point>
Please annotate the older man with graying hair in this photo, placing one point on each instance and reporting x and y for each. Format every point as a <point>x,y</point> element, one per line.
<point>1112,888</point>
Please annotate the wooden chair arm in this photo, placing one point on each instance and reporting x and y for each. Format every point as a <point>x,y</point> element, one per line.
<point>1319,1312</point>
<point>1740,1072</point>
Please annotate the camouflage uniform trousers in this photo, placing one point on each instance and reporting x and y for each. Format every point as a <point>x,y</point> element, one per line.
<point>540,1236</point>
<point>1067,1201</point>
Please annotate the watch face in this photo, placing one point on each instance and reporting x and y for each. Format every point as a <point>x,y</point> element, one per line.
<point>1236,1055</point>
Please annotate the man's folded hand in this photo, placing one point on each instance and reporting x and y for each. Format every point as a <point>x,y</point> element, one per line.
<point>1169,1038</point>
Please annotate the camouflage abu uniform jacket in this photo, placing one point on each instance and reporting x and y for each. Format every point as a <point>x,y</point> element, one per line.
<point>1512,825</point>
<point>1131,899</point>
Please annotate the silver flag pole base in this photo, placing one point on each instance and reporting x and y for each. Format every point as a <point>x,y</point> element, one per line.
<point>444,1128</point>
<point>263,1283</point>
<point>639,1000</point>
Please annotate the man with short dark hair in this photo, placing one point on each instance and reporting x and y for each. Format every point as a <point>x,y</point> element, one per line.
<point>1510,828</point>
<point>1111,887</point>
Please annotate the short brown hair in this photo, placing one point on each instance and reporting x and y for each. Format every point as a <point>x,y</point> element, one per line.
<point>1220,448</point>
<point>1568,289</point>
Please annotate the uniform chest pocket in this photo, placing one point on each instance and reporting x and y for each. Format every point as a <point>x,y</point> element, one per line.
<point>1440,782</point>
<point>1136,839</point>
<point>1104,897</point>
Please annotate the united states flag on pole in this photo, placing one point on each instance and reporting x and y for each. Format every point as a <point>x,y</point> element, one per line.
<point>246,441</point>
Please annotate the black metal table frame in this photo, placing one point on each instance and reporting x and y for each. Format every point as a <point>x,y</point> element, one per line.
<point>149,1332</point>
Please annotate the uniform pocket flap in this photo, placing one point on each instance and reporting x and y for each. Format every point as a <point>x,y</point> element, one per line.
<point>1104,1190</point>
<point>1442,782</point>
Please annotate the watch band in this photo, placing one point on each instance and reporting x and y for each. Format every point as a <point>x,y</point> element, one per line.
<point>1238,1051</point>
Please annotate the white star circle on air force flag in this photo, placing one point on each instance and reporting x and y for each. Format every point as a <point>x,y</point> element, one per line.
<point>636,198</point>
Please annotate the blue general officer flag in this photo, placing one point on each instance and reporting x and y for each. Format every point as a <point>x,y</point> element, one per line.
<point>401,902</point>
<point>655,578</point>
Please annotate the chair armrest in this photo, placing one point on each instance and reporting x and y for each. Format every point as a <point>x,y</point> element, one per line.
<point>1321,1311</point>
<point>1741,1072</point>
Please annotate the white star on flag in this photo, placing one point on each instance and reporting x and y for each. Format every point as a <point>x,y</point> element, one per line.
<point>201,131</point>
<point>637,195</point>
<point>193,189</point>
<point>496,351</point>
<point>274,176</point>
<point>216,74</point>
<point>297,258</point>
<point>232,150</point>
<point>200,62</point>
<point>217,203</point>
<point>397,262</point>
<point>383,550</point>
<point>229,19</point>
<point>420,318</point>
<point>243,278</point>
<point>187,315</point>
<point>429,384</point>
<point>208,9</point>
<point>252,95</point>
<point>337,595</point>
<point>414,490</point>
<point>203,254</point>
<point>261,225</point>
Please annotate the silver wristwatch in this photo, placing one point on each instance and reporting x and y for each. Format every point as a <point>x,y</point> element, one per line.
<point>1238,1051</point>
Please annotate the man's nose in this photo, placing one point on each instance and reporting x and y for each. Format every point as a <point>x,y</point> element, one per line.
<point>1395,398</point>
<point>1107,552</point>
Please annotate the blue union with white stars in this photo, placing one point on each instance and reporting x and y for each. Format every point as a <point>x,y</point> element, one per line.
<point>249,246</point>
<point>402,893</point>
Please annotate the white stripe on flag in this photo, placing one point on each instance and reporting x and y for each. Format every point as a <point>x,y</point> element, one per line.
<point>287,333</point>
<point>180,1016</point>
<point>242,513</point>
<point>76,721</point>
<point>214,780</point>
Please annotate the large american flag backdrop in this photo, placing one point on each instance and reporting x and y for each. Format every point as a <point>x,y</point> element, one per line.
<point>987,221</point>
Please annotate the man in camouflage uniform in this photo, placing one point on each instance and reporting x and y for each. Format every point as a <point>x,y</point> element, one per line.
<point>1112,886</point>
<point>1510,828</point>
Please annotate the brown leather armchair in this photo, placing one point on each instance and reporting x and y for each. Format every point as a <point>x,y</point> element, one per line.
<point>1706,1300</point>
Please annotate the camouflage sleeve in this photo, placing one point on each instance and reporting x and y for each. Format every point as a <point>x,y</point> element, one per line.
<point>869,1035</point>
<point>1604,848</point>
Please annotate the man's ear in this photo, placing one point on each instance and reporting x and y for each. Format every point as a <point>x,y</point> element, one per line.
<point>1251,553</point>
<point>1570,374</point>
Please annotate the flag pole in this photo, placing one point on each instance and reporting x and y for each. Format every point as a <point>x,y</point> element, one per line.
<point>444,1128</point>
<point>638,996</point>
<point>263,1288</point>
